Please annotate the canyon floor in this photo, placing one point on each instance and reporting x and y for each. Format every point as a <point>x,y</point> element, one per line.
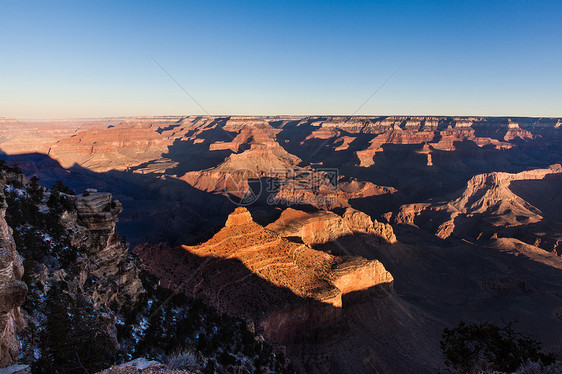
<point>350,242</point>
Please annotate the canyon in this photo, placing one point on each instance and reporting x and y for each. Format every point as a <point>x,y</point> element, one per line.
<point>74,297</point>
<point>302,289</point>
<point>348,243</point>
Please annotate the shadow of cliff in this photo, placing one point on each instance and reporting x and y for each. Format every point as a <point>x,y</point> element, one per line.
<point>452,280</point>
<point>232,288</point>
<point>156,208</point>
<point>318,337</point>
<point>193,155</point>
<point>543,194</point>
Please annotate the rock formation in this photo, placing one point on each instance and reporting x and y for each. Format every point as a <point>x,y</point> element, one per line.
<point>487,204</point>
<point>315,188</point>
<point>265,158</point>
<point>115,148</point>
<point>395,136</point>
<point>69,243</point>
<point>325,226</point>
<point>245,259</point>
<point>12,289</point>
<point>359,221</point>
<point>109,257</point>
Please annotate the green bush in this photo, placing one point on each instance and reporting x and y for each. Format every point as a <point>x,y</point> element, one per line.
<point>471,348</point>
<point>75,338</point>
<point>59,186</point>
<point>34,190</point>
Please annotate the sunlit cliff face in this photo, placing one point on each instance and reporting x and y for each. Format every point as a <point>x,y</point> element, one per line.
<point>306,272</point>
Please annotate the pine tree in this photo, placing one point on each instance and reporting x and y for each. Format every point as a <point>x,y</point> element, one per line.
<point>35,190</point>
<point>75,338</point>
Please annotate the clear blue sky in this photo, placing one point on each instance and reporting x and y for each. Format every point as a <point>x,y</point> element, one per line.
<point>91,58</point>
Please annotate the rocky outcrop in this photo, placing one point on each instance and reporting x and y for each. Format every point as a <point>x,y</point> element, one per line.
<point>311,228</point>
<point>262,157</point>
<point>487,204</point>
<point>361,222</point>
<point>109,258</point>
<point>12,290</point>
<point>395,136</point>
<point>304,271</point>
<point>486,190</point>
<point>248,133</point>
<point>265,158</point>
<point>344,141</point>
<point>253,272</point>
<point>313,188</point>
<point>325,226</point>
<point>73,256</point>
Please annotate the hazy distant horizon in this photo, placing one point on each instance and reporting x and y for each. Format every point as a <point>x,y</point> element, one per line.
<point>109,118</point>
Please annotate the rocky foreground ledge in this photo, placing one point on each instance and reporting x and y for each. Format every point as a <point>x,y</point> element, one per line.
<point>12,289</point>
<point>68,243</point>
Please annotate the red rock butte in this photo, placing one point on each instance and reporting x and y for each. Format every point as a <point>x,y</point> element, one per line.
<point>306,272</point>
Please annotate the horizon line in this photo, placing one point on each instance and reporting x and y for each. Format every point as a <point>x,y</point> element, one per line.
<point>101,118</point>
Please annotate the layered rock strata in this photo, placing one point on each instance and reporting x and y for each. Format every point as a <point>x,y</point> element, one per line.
<point>487,203</point>
<point>253,272</point>
<point>325,226</point>
<point>109,258</point>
